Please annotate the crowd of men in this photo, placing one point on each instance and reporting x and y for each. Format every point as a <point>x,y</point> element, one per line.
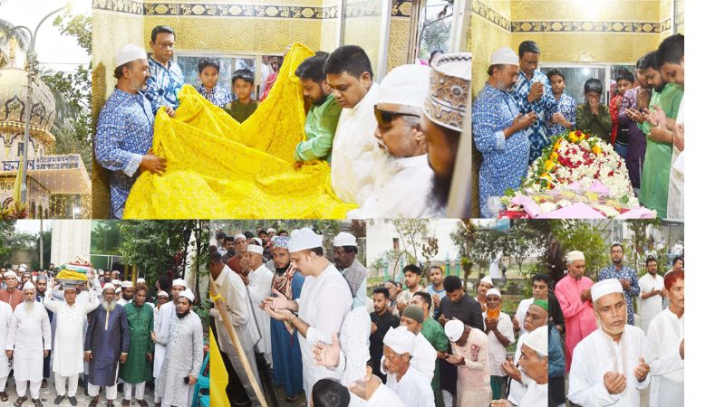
<point>295,312</point>
<point>107,331</point>
<point>384,142</point>
<point>613,354</point>
<point>438,346</point>
<point>521,110</point>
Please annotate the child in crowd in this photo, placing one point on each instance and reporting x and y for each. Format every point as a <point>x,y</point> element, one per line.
<point>620,134</point>
<point>593,117</point>
<point>563,121</point>
<point>242,85</point>
<point>209,75</point>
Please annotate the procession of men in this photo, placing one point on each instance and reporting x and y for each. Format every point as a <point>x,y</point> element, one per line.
<point>299,313</point>
<point>383,142</point>
<point>80,330</point>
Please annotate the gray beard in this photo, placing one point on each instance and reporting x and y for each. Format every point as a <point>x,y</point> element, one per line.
<point>29,306</point>
<point>109,305</point>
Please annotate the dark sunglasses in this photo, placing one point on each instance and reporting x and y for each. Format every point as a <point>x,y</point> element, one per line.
<point>384,117</point>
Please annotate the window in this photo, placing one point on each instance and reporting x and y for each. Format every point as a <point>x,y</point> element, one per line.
<point>435,28</point>
<point>227,66</point>
<point>576,75</point>
<point>396,244</point>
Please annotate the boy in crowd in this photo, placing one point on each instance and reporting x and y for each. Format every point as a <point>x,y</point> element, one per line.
<point>209,75</point>
<point>562,121</point>
<point>243,86</point>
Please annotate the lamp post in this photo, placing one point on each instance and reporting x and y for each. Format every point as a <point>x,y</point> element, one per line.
<point>32,71</point>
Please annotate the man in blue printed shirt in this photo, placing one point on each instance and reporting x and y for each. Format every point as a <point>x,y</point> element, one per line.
<point>499,131</point>
<point>166,78</point>
<point>626,275</point>
<point>125,128</point>
<point>533,93</point>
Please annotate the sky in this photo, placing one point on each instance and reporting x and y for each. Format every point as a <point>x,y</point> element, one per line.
<point>55,51</point>
<point>31,226</point>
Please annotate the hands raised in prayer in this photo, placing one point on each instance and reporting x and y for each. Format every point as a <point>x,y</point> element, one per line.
<point>522,122</point>
<point>443,320</point>
<point>615,382</point>
<point>491,324</point>
<point>517,324</point>
<point>657,116</point>
<point>635,115</point>
<point>276,301</point>
<point>625,283</point>
<point>641,371</point>
<point>327,355</point>
<point>586,295</point>
<point>455,360</point>
<point>510,369</point>
<point>280,314</point>
<point>679,138</point>
<point>536,92</point>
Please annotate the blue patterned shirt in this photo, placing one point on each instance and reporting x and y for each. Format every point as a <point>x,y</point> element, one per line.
<point>163,84</point>
<point>628,273</point>
<point>124,134</point>
<point>505,161</point>
<point>218,96</point>
<point>567,107</point>
<point>545,107</point>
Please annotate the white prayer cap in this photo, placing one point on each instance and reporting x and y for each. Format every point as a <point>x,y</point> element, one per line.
<point>23,268</point>
<point>487,280</point>
<point>128,53</point>
<point>162,294</point>
<point>67,287</point>
<point>604,287</point>
<point>493,291</point>
<point>29,286</point>
<point>344,239</point>
<point>538,340</point>
<point>253,248</point>
<point>140,280</point>
<point>10,273</point>
<point>504,56</point>
<point>126,284</point>
<point>188,294</point>
<point>240,236</point>
<point>280,242</point>
<point>574,255</point>
<point>118,290</point>
<point>406,85</point>
<point>270,230</point>
<point>400,340</point>
<point>304,238</point>
<point>454,330</point>
<point>116,282</point>
<point>108,286</point>
<point>178,281</point>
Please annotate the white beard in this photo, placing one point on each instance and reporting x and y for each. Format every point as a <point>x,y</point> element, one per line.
<point>385,169</point>
<point>29,306</point>
<point>109,306</point>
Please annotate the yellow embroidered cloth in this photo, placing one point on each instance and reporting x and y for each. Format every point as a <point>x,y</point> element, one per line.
<point>218,168</point>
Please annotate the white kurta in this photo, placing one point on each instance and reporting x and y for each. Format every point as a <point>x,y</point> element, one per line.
<point>665,334</point>
<point>598,354</point>
<point>260,287</point>
<point>69,333</point>
<point>424,356</point>
<point>649,308</point>
<point>676,193</point>
<point>384,397</point>
<point>353,159</point>
<point>354,350</point>
<point>161,328</point>
<point>29,336</point>
<point>395,184</point>
<point>517,390</point>
<point>414,389</point>
<point>6,317</point>
<point>496,351</point>
<point>323,304</point>
<point>537,395</point>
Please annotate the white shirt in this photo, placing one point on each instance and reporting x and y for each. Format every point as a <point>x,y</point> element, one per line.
<point>161,328</point>
<point>354,349</point>
<point>424,356</point>
<point>29,336</point>
<point>521,313</point>
<point>400,191</point>
<point>496,351</point>
<point>69,338</point>
<point>676,194</point>
<point>232,288</point>
<point>650,307</point>
<point>597,354</point>
<point>537,395</point>
<point>665,334</point>
<point>260,287</point>
<point>414,389</point>
<point>353,161</point>
<point>384,397</point>
<point>323,304</point>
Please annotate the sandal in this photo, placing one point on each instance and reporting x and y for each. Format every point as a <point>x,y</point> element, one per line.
<point>19,402</point>
<point>4,396</point>
<point>94,402</point>
<point>142,403</point>
<point>292,399</point>
<point>110,403</point>
<point>37,402</point>
<point>126,403</point>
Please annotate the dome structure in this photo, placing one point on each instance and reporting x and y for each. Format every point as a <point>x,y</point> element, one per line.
<point>13,95</point>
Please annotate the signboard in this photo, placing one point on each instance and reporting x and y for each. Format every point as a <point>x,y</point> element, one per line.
<point>53,162</point>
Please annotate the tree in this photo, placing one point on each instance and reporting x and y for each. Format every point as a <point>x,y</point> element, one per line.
<point>471,241</point>
<point>411,232</point>
<point>639,240</point>
<point>584,236</point>
<point>105,237</point>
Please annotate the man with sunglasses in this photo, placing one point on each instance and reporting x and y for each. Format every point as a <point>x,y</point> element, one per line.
<point>403,177</point>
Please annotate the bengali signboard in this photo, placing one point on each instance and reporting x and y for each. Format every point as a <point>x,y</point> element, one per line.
<point>53,162</point>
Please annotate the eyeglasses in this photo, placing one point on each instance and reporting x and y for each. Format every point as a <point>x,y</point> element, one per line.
<point>385,117</point>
